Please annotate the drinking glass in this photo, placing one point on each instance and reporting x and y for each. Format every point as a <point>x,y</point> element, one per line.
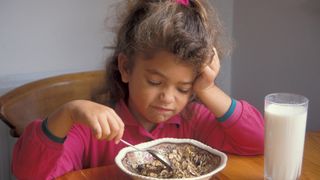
<point>285,125</point>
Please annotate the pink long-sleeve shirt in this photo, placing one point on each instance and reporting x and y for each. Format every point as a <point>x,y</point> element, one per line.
<point>36,156</point>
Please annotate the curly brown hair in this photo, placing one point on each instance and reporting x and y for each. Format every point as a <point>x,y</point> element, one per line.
<point>148,26</point>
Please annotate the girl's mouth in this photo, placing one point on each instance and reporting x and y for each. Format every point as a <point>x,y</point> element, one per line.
<point>162,109</point>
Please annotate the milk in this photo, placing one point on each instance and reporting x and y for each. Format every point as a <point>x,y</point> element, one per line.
<point>284,140</point>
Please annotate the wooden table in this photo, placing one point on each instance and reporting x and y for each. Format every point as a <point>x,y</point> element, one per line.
<point>238,167</point>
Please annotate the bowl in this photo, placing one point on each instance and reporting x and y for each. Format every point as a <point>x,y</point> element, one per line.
<point>129,155</point>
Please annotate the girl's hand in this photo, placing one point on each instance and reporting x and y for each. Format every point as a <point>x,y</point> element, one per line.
<point>103,120</point>
<point>208,74</point>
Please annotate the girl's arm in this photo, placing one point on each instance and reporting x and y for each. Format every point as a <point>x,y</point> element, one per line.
<point>44,152</point>
<point>240,133</point>
<point>36,156</point>
<point>236,126</point>
<point>207,91</point>
<point>216,100</point>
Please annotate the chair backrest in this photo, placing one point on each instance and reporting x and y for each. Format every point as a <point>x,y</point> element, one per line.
<point>39,98</point>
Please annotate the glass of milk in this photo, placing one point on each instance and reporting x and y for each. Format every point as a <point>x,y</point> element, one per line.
<point>285,125</point>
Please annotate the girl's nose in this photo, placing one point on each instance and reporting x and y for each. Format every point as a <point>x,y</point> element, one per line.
<point>167,96</point>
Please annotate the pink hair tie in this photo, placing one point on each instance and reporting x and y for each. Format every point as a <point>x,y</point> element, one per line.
<point>183,2</point>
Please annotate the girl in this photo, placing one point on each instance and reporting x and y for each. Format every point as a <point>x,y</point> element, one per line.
<point>166,55</point>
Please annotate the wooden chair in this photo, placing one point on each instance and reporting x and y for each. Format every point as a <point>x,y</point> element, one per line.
<point>39,98</point>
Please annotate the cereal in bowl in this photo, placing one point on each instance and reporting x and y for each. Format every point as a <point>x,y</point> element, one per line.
<point>187,161</point>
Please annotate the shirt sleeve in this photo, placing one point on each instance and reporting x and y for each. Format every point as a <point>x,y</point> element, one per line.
<point>241,133</point>
<point>35,156</point>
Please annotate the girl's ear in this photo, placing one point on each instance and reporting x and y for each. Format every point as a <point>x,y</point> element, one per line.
<point>123,67</point>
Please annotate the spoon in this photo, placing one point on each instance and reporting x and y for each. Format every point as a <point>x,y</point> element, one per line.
<point>154,153</point>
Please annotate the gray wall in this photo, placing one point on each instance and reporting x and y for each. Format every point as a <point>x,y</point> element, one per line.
<point>225,10</point>
<point>278,49</point>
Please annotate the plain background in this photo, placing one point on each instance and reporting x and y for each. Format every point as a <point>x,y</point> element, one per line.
<point>277,48</point>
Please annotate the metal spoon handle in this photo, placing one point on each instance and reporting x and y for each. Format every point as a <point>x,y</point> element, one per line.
<point>153,153</point>
<point>125,142</point>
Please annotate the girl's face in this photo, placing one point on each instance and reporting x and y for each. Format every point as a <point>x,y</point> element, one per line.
<point>159,88</point>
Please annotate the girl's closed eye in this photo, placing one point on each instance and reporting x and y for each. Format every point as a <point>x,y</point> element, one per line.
<point>153,82</point>
<point>184,90</point>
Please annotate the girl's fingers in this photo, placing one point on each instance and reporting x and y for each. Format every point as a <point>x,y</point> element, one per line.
<point>120,127</point>
<point>96,128</point>
<point>86,112</point>
<point>121,130</point>
<point>207,74</point>
<point>105,127</point>
<point>216,56</point>
<point>113,126</point>
<point>215,64</point>
<point>103,120</point>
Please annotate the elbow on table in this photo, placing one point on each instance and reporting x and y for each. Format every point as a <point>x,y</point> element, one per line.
<point>255,146</point>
